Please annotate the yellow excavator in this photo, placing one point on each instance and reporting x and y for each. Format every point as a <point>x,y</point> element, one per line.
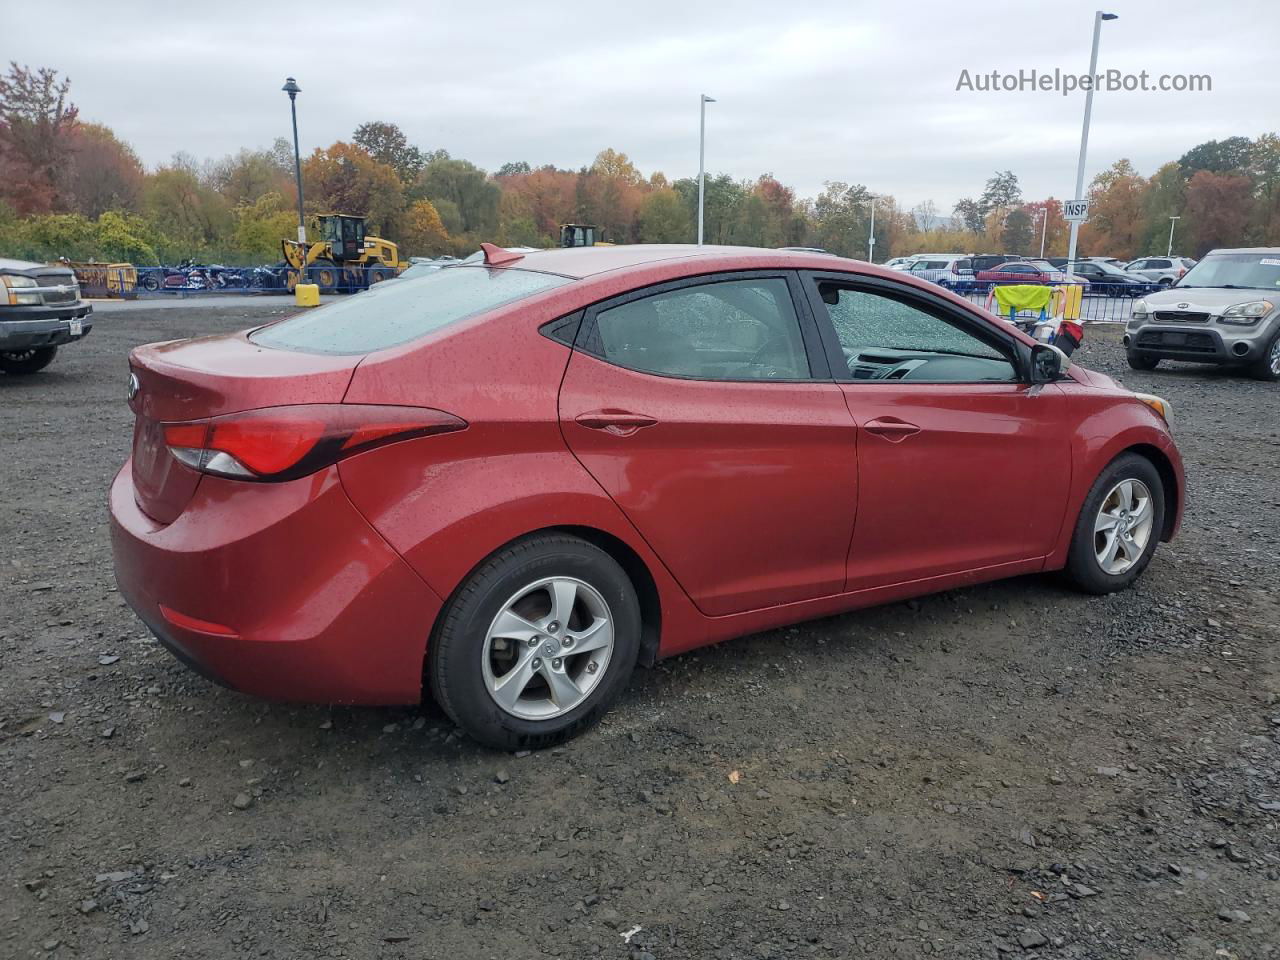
<point>345,258</point>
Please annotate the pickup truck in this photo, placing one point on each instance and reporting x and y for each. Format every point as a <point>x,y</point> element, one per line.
<point>40,310</point>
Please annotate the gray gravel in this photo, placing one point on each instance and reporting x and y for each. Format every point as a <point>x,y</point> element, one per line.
<point>1009,770</point>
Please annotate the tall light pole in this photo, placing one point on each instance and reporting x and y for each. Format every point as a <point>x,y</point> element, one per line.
<point>702,156</point>
<point>292,89</point>
<point>1173,222</point>
<point>1098,17</point>
<point>871,236</point>
<point>1044,226</point>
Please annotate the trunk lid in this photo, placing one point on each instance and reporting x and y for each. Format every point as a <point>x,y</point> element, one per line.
<point>193,379</point>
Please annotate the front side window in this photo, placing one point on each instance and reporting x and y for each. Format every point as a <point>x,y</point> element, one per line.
<point>732,330</point>
<point>395,313</point>
<point>884,338</point>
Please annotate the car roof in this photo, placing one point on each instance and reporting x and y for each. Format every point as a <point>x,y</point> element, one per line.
<point>582,262</point>
<point>1269,251</point>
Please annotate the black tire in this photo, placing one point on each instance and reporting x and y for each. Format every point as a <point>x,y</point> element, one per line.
<point>1165,282</point>
<point>20,363</point>
<point>1262,369</point>
<point>1140,361</point>
<point>455,657</point>
<point>1083,568</point>
<point>149,281</point>
<point>324,274</point>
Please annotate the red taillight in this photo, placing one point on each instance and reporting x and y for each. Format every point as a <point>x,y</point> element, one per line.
<point>283,443</point>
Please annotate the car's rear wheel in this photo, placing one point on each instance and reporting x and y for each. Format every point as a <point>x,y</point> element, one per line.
<point>1141,361</point>
<point>1267,366</point>
<point>23,362</point>
<point>537,644</point>
<point>1119,526</point>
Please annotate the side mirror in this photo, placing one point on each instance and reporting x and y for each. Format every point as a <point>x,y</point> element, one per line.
<point>1048,363</point>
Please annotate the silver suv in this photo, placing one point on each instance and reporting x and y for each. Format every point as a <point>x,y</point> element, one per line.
<point>1162,270</point>
<point>1225,310</point>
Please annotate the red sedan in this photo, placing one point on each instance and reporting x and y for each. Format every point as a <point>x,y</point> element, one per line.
<point>509,481</point>
<point>1021,271</point>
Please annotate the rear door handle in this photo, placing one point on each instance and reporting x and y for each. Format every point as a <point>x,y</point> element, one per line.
<point>891,428</point>
<point>620,423</point>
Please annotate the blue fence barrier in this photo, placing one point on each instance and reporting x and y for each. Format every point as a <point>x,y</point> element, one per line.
<point>198,280</point>
<point>1099,302</point>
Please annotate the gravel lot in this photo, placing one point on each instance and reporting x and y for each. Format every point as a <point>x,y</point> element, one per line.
<point>1009,770</point>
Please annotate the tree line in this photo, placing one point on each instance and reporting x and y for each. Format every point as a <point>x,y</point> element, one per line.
<point>72,188</point>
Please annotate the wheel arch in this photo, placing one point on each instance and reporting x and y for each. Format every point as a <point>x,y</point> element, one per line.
<point>1168,477</point>
<point>633,565</point>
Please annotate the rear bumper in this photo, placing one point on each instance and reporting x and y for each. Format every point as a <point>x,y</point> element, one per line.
<point>279,590</point>
<point>22,328</point>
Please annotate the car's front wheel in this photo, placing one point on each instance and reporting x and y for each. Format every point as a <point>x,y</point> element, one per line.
<point>1267,366</point>
<point>536,644</point>
<point>1119,526</point>
<point>23,362</point>
<point>1140,361</point>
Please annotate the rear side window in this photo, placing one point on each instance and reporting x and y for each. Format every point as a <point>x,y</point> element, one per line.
<point>731,330</point>
<point>398,311</point>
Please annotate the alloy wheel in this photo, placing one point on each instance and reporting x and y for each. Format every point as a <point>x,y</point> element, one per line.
<point>1123,526</point>
<point>548,648</point>
<point>1274,358</point>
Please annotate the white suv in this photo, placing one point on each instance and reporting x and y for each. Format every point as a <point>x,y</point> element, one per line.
<point>1161,270</point>
<point>954,272</point>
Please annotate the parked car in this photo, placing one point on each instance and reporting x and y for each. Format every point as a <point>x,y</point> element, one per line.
<point>1066,277</point>
<point>1163,270</point>
<point>512,480</point>
<point>954,273</point>
<point>899,263</point>
<point>1111,280</point>
<point>1020,272</point>
<point>1225,310</point>
<point>40,311</point>
<point>987,261</point>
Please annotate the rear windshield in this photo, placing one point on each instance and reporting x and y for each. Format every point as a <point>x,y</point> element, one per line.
<point>1260,271</point>
<point>398,311</point>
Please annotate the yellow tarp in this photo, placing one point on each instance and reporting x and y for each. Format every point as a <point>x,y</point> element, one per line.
<point>1023,296</point>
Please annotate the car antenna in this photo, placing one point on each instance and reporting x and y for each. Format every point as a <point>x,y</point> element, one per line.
<point>495,256</point>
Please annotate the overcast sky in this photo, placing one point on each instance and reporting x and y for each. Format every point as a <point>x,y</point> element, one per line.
<point>810,91</point>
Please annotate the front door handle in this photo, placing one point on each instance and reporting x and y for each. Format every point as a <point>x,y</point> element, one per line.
<point>891,428</point>
<point>620,423</point>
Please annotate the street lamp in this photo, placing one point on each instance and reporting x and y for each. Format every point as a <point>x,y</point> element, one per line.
<point>702,155</point>
<point>1044,226</point>
<point>292,89</point>
<point>1098,17</point>
<point>1173,222</point>
<point>871,236</point>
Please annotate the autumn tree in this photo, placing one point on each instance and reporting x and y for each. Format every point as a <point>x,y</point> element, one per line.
<point>251,174</point>
<point>346,179</point>
<point>37,120</point>
<point>1116,224</point>
<point>1218,208</point>
<point>424,234</point>
<point>103,174</point>
<point>1165,197</point>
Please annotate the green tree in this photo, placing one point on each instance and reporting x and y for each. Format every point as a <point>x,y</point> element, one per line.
<point>664,218</point>
<point>466,187</point>
<point>1017,234</point>
<point>1217,156</point>
<point>387,143</point>
<point>513,169</point>
<point>841,218</point>
<point>261,225</point>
